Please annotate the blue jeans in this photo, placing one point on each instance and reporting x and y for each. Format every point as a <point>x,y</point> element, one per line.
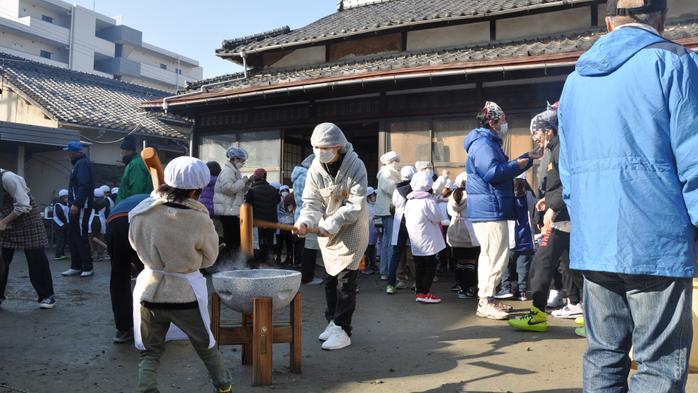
<point>398,250</point>
<point>651,314</point>
<point>519,265</point>
<point>386,244</point>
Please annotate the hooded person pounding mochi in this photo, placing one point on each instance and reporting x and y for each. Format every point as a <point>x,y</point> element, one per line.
<point>174,237</point>
<point>334,200</point>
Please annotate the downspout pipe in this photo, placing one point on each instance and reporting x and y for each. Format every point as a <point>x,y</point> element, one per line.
<point>205,87</point>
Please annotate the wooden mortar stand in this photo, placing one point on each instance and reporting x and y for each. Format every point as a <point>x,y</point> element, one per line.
<point>257,332</point>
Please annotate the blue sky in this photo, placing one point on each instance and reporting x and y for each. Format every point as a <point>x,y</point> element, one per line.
<point>196,28</point>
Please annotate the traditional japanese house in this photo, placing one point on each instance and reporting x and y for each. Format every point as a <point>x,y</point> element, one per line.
<point>404,75</point>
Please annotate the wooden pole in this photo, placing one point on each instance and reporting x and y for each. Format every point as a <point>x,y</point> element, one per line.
<point>216,318</point>
<point>247,347</point>
<point>246,228</point>
<point>262,341</point>
<point>297,337</point>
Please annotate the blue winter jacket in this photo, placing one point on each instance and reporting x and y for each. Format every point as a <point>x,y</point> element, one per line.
<point>628,131</point>
<point>490,185</point>
<point>298,178</point>
<point>523,233</point>
<point>82,185</point>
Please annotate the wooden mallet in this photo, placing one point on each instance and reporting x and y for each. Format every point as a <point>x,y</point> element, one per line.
<point>152,162</point>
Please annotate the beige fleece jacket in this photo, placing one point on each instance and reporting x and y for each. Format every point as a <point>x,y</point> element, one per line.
<point>172,240</point>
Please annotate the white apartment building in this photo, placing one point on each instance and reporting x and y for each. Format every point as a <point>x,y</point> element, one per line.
<point>70,36</point>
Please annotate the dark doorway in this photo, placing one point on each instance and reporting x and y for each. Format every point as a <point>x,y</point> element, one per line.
<point>363,136</point>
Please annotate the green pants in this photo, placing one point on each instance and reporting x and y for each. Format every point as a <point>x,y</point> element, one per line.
<point>154,326</point>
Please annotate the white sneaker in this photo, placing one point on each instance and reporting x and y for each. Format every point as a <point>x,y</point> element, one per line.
<point>338,339</point>
<point>87,273</point>
<point>328,331</point>
<point>569,311</point>
<point>71,272</point>
<point>554,299</point>
<point>489,310</point>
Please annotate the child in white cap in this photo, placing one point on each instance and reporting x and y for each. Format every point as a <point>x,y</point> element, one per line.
<point>174,237</point>
<point>423,219</point>
<point>60,220</point>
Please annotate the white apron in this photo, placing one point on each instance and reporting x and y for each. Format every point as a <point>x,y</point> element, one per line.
<point>198,285</point>
<point>102,221</point>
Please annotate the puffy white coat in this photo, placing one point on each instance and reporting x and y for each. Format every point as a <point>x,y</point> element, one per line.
<point>399,203</point>
<point>388,177</point>
<point>422,219</point>
<point>229,191</point>
<point>460,230</point>
<point>338,205</point>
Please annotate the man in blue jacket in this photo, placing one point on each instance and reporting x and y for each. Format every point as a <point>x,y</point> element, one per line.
<point>81,194</point>
<point>628,123</point>
<point>490,189</point>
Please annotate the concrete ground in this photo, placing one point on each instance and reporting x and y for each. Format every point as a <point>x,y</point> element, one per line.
<point>398,346</point>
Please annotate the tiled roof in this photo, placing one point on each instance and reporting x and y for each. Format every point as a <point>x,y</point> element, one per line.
<point>391,14</point>
<point>88,100</point>
<point>247,40</point>
<point>463,57</point>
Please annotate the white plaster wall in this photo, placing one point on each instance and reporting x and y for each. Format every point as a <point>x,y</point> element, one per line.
<point>311,55</point>
<point>543,24</point>
<point>449,36</point>
<point>147,57</point>
<point>35,9</point>
<point>106,154</point>
<point>14,108</point>
<point>26,44</point>
<point>83,36</point>
<point>9,9</point>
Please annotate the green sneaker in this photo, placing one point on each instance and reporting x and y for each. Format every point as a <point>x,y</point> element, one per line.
<point>390,289</point>
<point>535,321</point>
<point>63,258</point>
<point>580,331</point>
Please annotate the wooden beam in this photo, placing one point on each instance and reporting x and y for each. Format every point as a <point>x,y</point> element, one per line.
<point>262,346</point>
<point>296,330</point>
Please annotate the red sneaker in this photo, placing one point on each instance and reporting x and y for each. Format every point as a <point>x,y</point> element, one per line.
<point>419,297</point>
<point>429,298</point>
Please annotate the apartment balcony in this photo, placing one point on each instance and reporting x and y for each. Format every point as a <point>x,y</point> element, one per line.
<point>46,30</point>
<point>29,56</point>
<point>118,66</point>
<point>103,46</point>
<point>157,74</point>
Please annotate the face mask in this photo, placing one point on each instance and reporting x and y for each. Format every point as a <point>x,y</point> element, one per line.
<point>395,165</point>
<point>239,164</point>
<point>430,172</point>
<point>325,155</point>
<point>284,193</point>
<point>504,130</point>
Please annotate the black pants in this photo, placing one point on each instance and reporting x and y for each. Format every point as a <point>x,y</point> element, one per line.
<point>308,265</point>
<point>231,232</point>
<point>284,238</point>
<point>466,266</point>
<point>122,256</point>
<point>80,252</point>
<point>61,234</point>
<point>370,257</point>
<point>265,237</point>
<point>39,271</point>
<point>340,293</point>
<point>546,261</point>
<point>425,267</point>
<point>298,246</point>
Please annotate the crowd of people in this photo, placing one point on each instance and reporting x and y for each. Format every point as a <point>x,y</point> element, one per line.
<point>610,227</point>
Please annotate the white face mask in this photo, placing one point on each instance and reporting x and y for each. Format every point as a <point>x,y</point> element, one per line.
<point>325,155</point>
<point>239,164</point>
<point>284,193</point>
<point>395,165</point>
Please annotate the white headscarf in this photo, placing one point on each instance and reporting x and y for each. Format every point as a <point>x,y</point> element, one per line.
<point>407,172</point>
<point>187,173</point>
<point>389,157</point>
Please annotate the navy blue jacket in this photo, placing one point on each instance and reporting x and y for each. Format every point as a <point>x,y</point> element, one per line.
<point>82,184</point>
<point>628,126</point>
<point>490,185</point>
<point>522,231</point>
